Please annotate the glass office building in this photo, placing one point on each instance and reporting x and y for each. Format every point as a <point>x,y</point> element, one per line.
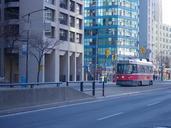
<point>111,33</point>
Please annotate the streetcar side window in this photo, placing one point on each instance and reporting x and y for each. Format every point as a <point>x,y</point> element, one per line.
<point>126,68</point>
<point>145,69</point>
<point>134,68</point>
<point>141,69</point>
<point>150,69</point>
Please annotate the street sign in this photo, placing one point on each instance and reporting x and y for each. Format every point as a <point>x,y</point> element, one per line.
<point>142,50</point>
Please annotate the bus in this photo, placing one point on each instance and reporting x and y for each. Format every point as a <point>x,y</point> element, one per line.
<point>134,72</point>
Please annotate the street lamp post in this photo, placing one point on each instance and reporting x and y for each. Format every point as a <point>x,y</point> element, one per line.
<point>28,15</point>
<point>96,57</point>
<point>161,66</point>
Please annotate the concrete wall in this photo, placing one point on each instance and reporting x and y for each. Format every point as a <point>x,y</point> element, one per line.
<point>29,97</point>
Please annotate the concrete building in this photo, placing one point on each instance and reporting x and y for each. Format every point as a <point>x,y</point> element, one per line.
<point>55,20</point>
<point>162,47</point>
<point>111,33</point>
<point>150,14</point>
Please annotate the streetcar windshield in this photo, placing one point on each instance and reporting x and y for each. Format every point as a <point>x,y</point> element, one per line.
<point>133,68</point>
<point>126,68</point>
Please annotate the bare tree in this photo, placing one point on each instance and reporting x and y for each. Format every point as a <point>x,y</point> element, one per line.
<point>167,62</point>
<point>163,60</point>
<point>38,47</point>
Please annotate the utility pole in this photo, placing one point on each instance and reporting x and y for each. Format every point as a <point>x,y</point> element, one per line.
<point>161,65</point>
<point>27,54</point>
<point>28,36</point>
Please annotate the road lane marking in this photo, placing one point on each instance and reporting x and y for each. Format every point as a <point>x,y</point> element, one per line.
<point>152,104</point>
<point>56,107</point>
<point>133,93</point>
<point>161,127</point>
<point>110,116</point>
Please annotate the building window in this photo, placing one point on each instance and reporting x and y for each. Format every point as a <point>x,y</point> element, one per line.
<point>6,1</point>
<point>72,21</point>
<point>50,1</point>
<point>79,38</point>
<point>11,30</point>
<point>72,37</point>
<point>50,33</point>
<point>49,14</point>
<point>72,5</point>
<point>64,4</point>
<point>11,13</point>
<point>79,8</point>
<point>63,18</point>
<point>79,23</point>
<point>63,35</point>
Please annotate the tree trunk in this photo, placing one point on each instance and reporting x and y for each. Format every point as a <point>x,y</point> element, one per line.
<point>38,72</point>
<point>11,68</point>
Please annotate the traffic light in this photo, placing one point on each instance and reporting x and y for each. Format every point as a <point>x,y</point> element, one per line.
<point>107,52</point>
<point>142,50</point>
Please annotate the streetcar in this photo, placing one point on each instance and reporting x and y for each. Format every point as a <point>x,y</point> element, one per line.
<point>134,72</point>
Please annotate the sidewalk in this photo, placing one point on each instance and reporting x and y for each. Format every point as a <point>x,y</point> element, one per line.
<point>111,89</point>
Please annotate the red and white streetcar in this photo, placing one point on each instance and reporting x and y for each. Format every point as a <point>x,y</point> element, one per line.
<point>134,72</point>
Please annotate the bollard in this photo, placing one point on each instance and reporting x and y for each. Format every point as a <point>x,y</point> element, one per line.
<point>57,84</point>
<point>11,86</point>
<point>81,86</point>
<point>67,83</point>
<point>103,89</point>
<point>93,88</point>
<point>31,85</point>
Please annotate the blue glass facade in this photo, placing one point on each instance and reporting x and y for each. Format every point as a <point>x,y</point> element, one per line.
<point>110,25</point>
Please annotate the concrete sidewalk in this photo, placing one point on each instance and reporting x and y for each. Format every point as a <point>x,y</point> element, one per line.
<point>111,89</point>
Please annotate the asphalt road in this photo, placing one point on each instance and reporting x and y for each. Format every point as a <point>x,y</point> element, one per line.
<point>150,109</point>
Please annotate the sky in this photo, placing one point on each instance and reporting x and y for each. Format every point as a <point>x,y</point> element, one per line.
<point>166,11</point>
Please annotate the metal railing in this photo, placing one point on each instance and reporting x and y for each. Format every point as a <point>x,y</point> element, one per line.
<point>29,85</point>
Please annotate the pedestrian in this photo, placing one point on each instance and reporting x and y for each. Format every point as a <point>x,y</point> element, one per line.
<point>156,77</point>
<point>153,77</point>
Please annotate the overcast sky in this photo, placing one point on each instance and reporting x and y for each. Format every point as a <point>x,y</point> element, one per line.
<point>167,11</point>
